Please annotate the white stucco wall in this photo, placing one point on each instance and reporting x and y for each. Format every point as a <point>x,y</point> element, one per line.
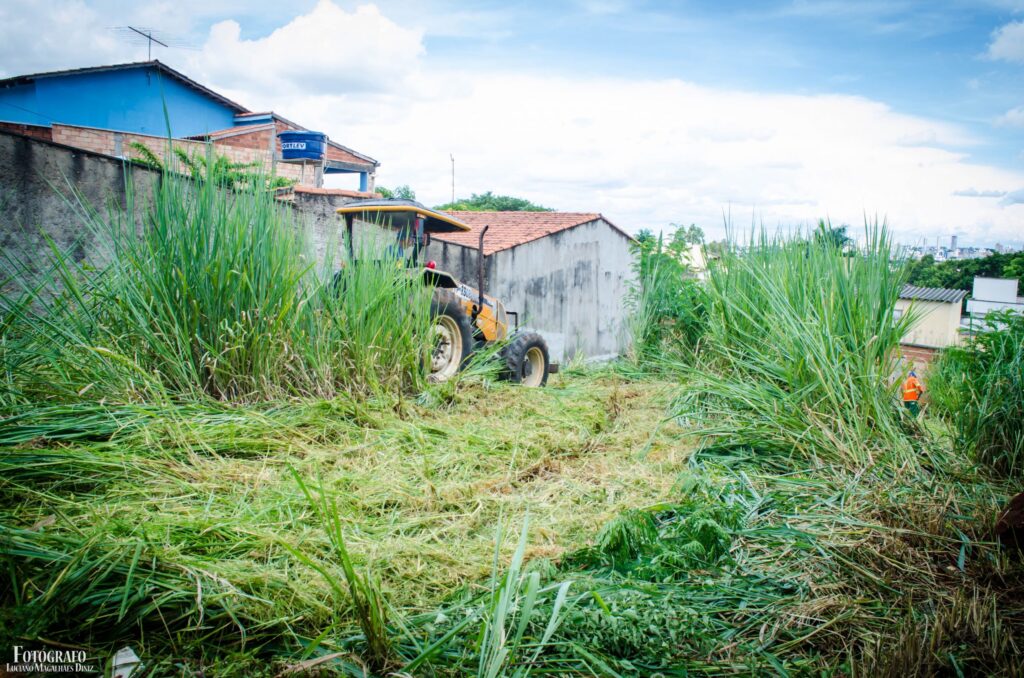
<point>938,324</point>
<point>570,286</point>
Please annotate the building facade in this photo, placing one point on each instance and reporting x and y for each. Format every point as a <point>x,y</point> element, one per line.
<point>117,109</point>
<point>938,313</point>
<point>566,274</point>
<point>993,295</point>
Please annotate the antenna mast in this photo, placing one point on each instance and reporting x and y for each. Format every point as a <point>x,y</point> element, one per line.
<point>452,156</point>
<point>148,35</point>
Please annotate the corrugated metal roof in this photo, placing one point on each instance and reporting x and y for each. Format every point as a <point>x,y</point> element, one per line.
<point>932,294</point>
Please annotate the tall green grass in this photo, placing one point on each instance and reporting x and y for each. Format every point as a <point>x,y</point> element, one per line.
<point>212,294</point>
<point>666,303</point>
<point>800,351</point>
<point>979,390</point>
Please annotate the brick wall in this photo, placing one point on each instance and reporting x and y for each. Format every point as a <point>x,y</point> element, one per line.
<point>119,144</point>
<point>34,131</point>
<point>252,147</point>
<point>919,357</point>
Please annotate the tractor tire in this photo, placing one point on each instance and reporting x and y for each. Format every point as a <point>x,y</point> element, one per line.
<point>526,359</point>
<point>454,336</point>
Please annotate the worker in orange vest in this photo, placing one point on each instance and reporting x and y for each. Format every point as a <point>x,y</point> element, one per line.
<point>912,390</point>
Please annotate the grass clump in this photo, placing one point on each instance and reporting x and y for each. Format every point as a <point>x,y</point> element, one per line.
<point>667,304</point>
<point>800,350</point>
<point>979,390</point>
<point>213,294</point>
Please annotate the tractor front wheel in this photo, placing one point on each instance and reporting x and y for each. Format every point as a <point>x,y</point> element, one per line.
<point>453,336</point>
<point>526,359</point>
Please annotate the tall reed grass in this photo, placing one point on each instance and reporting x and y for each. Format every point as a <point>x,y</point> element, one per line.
<point>979,390</point>
<point>213,294</point>
<point>800,353</point>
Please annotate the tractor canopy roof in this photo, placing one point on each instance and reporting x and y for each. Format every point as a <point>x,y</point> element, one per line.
<point>400,214</point>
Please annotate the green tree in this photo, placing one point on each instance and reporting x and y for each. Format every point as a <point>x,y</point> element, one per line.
<point>488,202</point>
<point>402,192</point>
<point>833,235</point>
<point>959,274</point>
<point>688,235</point>
<point>644,235</point>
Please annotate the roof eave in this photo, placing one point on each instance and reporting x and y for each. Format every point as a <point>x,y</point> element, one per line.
<point>155,63</point>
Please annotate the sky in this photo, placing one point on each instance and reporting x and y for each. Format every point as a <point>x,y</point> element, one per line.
<point>774,113</point>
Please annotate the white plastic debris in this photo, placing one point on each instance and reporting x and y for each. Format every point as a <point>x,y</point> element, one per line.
<point>125,663</point>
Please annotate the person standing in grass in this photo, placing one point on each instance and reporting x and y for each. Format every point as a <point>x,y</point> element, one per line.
<point>912,390</point>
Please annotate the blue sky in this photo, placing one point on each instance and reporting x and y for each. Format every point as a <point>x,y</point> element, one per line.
<point>926,58</point>
<point>650,112</point>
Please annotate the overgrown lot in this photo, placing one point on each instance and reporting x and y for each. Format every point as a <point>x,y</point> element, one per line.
<point>224,456</point>
<point>178,537</point>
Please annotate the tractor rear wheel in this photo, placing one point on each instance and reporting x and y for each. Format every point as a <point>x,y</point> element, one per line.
<point>453,336</point>
<point>526,359</point>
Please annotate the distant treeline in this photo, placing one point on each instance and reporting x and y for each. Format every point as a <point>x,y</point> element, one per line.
<point>959,274</point>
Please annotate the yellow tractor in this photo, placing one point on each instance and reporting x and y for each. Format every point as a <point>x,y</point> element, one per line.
<point>464,317</point>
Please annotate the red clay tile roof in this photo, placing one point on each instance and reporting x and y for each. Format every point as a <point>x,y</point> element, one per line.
<point>344,192</point>
<point>510,229</point>
<point>231,131</point>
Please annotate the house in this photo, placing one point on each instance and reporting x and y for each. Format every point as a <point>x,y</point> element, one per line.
<point>938,323</point>
<point>565,273</point>
<point>993,294</point>
<point>696,259</point>
<point>115,109</point>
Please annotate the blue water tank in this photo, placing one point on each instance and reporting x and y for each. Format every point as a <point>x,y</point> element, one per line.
<point>302,145</point>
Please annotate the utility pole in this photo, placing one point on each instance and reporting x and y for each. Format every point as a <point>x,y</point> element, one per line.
<point>452,156</point>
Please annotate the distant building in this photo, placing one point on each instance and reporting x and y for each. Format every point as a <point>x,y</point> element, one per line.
<point>993,294</point>
<point>938,323</point>
<point>115,109</point>
<point>566,273</point>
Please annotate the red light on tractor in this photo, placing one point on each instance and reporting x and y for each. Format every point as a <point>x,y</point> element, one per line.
<point>431,264</point>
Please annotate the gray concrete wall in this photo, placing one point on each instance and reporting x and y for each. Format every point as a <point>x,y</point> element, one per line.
<point>42,182</point>
<point>40,186</point>
<point>571,286</point>
<point>326,228</point>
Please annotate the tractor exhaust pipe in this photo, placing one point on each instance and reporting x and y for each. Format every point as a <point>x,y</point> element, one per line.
<point>480,272</point>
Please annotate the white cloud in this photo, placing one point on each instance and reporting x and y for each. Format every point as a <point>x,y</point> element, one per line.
<point>643,152</point>
<point>975,193</point>
<point>650,153</point>
<point>66,34</point>
<point>328,50</point>
<point>1014,198</point>
<point>1012,118</point>
<point>1008,42</point>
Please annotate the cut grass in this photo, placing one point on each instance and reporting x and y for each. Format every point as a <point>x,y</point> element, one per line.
<point>205,501</point>
<point>180,537</point>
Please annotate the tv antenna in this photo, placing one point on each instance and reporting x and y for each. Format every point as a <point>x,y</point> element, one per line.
<point>136,35</point>
<point>452,156</point>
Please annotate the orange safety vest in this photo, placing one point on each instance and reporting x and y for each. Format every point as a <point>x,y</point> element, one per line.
<point>912,389</point>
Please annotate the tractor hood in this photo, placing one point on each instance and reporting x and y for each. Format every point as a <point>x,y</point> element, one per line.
<point>401,213</point>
